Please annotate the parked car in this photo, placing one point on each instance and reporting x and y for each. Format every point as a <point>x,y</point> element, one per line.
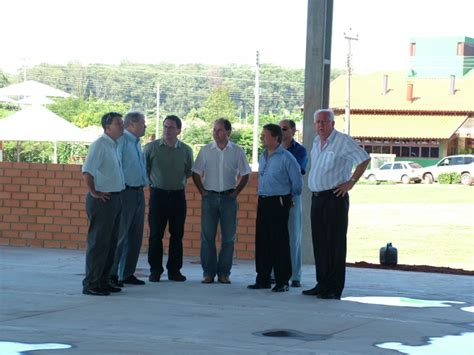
<point>404,171</point>
<point>462,164</point>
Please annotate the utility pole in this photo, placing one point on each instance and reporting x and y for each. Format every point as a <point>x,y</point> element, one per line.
<point>256,114</point>
<point>158,124</point>
<point>347,113</point>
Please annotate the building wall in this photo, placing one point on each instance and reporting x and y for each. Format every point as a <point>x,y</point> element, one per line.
<point>43,206</point>
<point>438,57</point>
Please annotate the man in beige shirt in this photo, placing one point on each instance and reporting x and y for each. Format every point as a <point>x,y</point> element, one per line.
<point>169,162</point>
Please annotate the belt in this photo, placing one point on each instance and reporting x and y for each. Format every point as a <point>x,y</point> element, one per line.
<point>134,187</point>
<point>167,191</point>
<point>115,192</point>
<point>323,193</point>
<point>273,196</point>
<point>226,192</point>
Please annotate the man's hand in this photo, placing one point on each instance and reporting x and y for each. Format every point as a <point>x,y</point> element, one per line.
<point>103,196</point>
<point>342,189</point>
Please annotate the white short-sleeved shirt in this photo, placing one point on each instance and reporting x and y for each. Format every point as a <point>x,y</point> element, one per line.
<point>221,168</point>
<point>332,164</point>
<point>103,163</point>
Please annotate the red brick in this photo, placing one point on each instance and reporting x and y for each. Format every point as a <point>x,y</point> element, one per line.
<point>69,229</point>
<point>70,198</point>
<point>36,227</point>
<point>5,195</point>
<point>11,218</point>
<point>29,173</point>
<point>62,190</point>
<point>46,174</point>
<point>78,191</point>
<point>52,228</point>
<point>5,210</point>
<point>28,204</point>
<point>61,236</point>
<point>6,164</point>
<point>19,196</point>
<point>4,227</point>
<point>73,167</point>
<point>4,241</point>
<point>12,172</point>
<point>54,182</point>
<point>20,180</point>
<point>29,188</point>
<point>39,166</point>
<point>11,188</point>
<point>11,203</point>
<point>46,189</point>
<point>55,167</point>
<point>69,213</point>
<point>19,226</point>
<point>78,237</point>
<point>37,181</point>
<point>5,180</point>
<point>45,204</point>
<point>53,197</point>
<point>27,235</point>
<point>62,220</point>
<point>21,165</point>
<point>37,197</point>
<point>17,242</point>
<point>51,244</point>
<point>246,255</point>
<point>44,235</point>
<point>69,245</point>
<point>36,211</point>
<point>72,183</point>
<point>35,243</point>
<point>44,220</point>
<point>9,233</point>
<point>62,205</point>
<point>63,175</point>
<point>27,219</point>
<point>53,213</point>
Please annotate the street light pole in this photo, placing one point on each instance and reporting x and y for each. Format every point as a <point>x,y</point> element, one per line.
<point>347,113</point>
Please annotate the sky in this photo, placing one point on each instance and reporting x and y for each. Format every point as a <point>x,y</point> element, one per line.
<point>218,31</point>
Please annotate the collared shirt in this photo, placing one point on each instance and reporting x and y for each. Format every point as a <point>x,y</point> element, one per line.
<point>332,164</point>
<point>168,167</point>
<point>103,163</point>
<point>299,152</point>
<point>133,160</point>
<point>279,174</point>
<point>221,168</point>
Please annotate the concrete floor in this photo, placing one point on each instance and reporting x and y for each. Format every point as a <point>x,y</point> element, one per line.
<point>41,303</point>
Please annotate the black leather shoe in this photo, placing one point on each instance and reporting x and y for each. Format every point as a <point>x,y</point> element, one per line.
<point>154,278</point>
<point>313,291</point>
<point>328,296</point>
<point>257,286</point>
<point>112,289</point>
<point>295,283</point>
<point>132,280</point>
<point>176,277</point>
<point>96,291</point>
<point>280,288</point>
<point>114,281</point>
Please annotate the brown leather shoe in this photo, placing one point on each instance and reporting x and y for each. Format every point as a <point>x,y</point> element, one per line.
<point>224,279</point>
<point>207,280</point>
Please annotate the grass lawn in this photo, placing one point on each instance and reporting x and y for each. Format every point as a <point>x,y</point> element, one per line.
<point>428,224</point>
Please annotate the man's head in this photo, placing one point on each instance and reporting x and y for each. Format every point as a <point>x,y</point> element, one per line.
<point>271,136</point>
<point>288,128</point>
<point>221,131</point>
<point>135,123</point>
<point>324,123</point>
<point>171,128</point>
<point>112,124</point>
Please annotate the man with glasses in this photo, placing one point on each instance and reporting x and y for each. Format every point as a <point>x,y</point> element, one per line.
<point>133,201</point>
<point>168,163</point>
<point>103,175</point>
<point>288,128</point>
<point>220,163</point>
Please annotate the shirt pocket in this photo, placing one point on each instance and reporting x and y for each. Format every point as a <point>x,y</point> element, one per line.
<point>328,160</point>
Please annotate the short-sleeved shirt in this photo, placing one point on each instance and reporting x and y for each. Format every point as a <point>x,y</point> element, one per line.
<point>103,163</point>
<point>332,164</point>
<point>133,160</point>
<point>168,167</point>
<point>279,174</point>
<point>299,152</point>
<point>221,168</point>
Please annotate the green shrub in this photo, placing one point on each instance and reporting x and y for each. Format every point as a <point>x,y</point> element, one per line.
<point>449,178</point>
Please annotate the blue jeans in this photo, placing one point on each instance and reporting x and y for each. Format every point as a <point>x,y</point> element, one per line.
<point>214,209</point>
<point>131,233</point>
<point>294,230</point>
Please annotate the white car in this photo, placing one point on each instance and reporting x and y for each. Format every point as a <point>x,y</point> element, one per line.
<point>404,171</point>
<point>461,164</point>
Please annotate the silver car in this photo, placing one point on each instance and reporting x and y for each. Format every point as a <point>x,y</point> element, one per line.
<point>404,171</point>
<point>462,164</point>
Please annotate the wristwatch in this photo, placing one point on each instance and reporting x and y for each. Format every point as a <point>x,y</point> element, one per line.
<point>353,180</point>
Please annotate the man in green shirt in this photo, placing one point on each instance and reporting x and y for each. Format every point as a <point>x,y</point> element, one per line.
<point>169,162</point>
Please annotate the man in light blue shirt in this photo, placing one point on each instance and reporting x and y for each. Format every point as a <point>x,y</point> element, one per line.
<point>279,178</point>
<point>133,201</point>
<point>102,173</point>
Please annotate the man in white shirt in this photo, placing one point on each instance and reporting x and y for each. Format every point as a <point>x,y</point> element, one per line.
<point>103,175</point>
<point>221,164</point>
<point>331,177</point>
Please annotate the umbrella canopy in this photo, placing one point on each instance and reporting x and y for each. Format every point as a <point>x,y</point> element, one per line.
<point>35,100</point>
<point>6,99</point>
<point>37,123</point>
<point>32,88</point>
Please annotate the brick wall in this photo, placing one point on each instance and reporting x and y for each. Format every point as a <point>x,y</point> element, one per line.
<point>43,206</point>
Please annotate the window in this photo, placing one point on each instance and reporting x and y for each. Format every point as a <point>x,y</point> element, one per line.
<point>415,151</point>
<point>396,151</point>
<point>386,149</point>
<point>397,166</point>
<point>425,152</point>
<point>386,166</point>
<point>368,148</point>
<point>444,162</point>
<point>457,161</point>
<point>405,151</point>
<point>376,149</point>
<point>467,160</point>
<point>434,153</point>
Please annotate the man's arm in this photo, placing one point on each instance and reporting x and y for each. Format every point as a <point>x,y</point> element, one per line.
<point>341,190</point>
<point>240,186</point>
<point>198,182</point>
<point>89,180</point>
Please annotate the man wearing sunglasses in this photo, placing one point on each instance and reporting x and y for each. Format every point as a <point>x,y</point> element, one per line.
<point>103,175</point>
<point>288,128</point>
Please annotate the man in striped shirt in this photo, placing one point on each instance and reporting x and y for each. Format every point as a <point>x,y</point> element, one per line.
<point>332,158</point>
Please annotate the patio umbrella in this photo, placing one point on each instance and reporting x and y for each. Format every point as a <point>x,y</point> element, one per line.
<point>35,100</point>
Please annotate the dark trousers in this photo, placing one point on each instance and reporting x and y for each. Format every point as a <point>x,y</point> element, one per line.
<point>272,246</point>
<point>166,207</point>
<point>329,221</point>
<point>104,221</point>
